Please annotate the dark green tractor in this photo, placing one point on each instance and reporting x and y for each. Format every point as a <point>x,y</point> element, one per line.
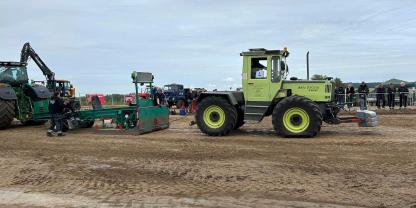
<point>19,99</point>
<point>28,102</point>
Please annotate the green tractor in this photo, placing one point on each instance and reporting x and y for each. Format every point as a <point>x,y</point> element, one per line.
<point>20,99</point>
<point>28,101</point>
<point>298,107</point>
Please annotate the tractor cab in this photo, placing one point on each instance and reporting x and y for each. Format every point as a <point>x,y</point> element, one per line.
<point>63,87</point>
<point>264,78</point>
<point>13,73</point>
<point>263,72</point>
<point>173,90</point>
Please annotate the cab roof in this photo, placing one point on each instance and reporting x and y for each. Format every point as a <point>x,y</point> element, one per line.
<point>10,63</point>
<point>261,51</point>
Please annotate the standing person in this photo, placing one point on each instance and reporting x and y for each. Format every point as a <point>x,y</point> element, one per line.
<point>56,111</point>
<point>391,91</point>
<point>340,95</point>
<point>61,90</point>
<point>189,97</point>
<point>350,95</point>
<point>159,98</point>
<point>380,96</point>
<point>404,91</point>
<point>363,92</point>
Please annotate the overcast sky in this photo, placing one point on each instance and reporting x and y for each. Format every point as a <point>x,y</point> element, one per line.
<point>96,44</point>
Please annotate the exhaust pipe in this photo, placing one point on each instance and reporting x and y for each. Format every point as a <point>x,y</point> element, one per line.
<point>307,65</point>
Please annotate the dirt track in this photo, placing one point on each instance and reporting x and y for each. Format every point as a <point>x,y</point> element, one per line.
<point>345,166</point>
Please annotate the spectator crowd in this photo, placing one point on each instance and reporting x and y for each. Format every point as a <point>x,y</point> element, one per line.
<point>385,96</point>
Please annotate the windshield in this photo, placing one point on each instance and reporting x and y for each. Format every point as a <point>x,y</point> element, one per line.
<point>13,75</point>
<point>173,87</point>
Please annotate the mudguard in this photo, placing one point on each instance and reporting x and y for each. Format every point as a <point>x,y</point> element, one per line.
<point>234,97</point>
<point>39,91</point>
<point>7,93</point>
<point>42,92</point>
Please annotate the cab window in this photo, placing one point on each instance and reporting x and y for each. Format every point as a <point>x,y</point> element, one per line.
<point>276,72</point>
<point>259,68</point>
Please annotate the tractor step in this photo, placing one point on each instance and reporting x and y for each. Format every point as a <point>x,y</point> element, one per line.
<point>255,112</point>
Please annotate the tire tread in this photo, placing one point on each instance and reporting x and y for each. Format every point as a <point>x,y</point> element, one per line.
<point>6,113</point>
<point>230,114</point>
<point>311,107</point>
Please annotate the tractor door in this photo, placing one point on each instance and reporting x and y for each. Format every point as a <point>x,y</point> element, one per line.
<point>258,80</point>
<point>277,75</point>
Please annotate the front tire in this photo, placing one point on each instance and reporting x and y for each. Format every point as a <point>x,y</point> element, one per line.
<point>215,116</point>
<point>6,113</point>
<point>297,116</point>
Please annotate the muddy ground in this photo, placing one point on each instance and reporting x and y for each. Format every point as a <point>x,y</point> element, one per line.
<point>345,166</point>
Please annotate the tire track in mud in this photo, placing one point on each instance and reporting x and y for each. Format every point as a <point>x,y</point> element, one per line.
<point>121,182</point>
<point>109,183</point>
<point>366,168</point>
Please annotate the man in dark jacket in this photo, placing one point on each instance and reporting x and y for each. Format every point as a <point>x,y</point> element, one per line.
<point>350,95</point>
<point>404,92</point>
<point>380,96</point>
<point>340,93</point>
<point>363,92</point>
<point>56,111</point>
<point>391,91</point>
<point>159,98</point>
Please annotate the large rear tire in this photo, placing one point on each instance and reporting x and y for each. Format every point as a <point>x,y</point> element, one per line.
<point>215,116</point>
<point>6,113</point>
<point>297,116</point>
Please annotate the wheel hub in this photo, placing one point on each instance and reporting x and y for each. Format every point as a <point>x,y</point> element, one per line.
<point>296,119</point>
<point>214,116</point>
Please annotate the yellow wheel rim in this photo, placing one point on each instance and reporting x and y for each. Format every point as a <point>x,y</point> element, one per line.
<point>214,117</point>
<point>296,120</point>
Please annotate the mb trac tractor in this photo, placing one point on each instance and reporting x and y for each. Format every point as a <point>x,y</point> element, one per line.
<point>28,102</point>
<point>297,107</point>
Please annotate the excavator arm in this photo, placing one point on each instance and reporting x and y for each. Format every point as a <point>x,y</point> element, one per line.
<point>27,51</point>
